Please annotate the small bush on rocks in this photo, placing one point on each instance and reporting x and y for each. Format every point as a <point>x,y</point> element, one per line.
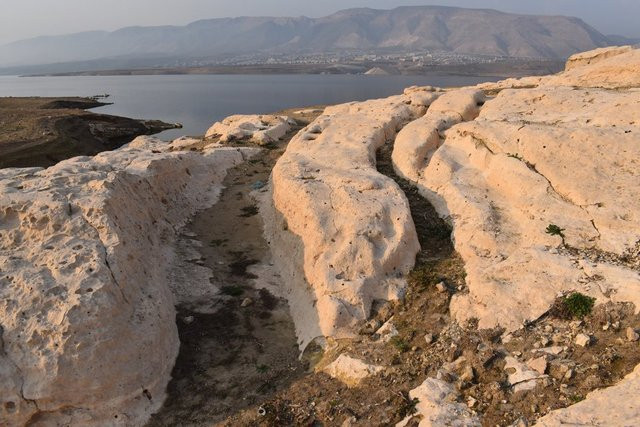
<point>579,305</point>
<point>554,230</point>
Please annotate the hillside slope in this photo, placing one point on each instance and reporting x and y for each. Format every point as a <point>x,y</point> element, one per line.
<point>432,28</point>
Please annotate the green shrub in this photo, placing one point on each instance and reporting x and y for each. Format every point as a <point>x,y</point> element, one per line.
<point>400,344</point>
<point>554,230</point>
<point>578,305</point>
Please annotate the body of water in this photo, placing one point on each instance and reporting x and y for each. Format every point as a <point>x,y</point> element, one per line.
<point>197,101</point>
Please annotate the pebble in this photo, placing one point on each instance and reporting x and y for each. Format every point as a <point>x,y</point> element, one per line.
<point>556,350</point>
<point>576,324</point>
<point>441,287</point>
<point>467,374</point>
<point>246,302</point>
<point>539,365</point>
<point>632,335</point>
<point>583,340</point>
<point>616,325</point>
<point>569,374</point>
<point>188,319</point>
<point>374,324</point>
<point>428,338</point>
<point>471,402</point>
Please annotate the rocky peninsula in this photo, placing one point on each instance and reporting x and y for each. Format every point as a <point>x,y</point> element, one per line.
<point>462,257</point>
<point>38,131</point>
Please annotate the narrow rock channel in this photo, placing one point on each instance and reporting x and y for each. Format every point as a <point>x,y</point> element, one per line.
<point>237,338</point>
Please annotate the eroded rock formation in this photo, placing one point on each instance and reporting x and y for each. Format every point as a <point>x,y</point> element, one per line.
<point>88,335</point>
<point>542,191</point>
<point>527,163</point>
<point>261,129</point>
<point>341,232</point>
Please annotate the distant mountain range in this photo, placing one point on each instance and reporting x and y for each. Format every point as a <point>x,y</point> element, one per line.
<point>404,29</point>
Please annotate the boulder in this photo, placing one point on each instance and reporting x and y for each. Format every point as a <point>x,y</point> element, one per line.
<point>436,404</point>
<point>259,129</point>
<point>351,371</point>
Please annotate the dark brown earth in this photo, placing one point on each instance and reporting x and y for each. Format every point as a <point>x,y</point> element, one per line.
<point>43,131</point>
<point>242,348</point>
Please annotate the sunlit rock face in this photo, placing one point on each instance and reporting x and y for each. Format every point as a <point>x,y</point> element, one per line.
<point>88,334</point>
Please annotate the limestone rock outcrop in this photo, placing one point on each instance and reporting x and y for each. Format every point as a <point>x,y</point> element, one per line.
<point>341,233</point>
<point>259,129</point>
<point>419,140</point>
<point>593,56</point>
<point>87,319</point>
<point>542,190</point>
<point>535,158</point>
<point>609,68</point>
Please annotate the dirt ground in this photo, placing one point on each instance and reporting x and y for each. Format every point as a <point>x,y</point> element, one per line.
<point>43,131</point>
<point>239,347</point>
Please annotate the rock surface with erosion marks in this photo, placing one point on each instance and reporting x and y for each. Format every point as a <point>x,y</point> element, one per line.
<point>610,68</point>
<point>593,56</point>
<point>505,177</point>
<point>87,319</point>
<point>419,140</point>
<point>613,406</point>
<point>341,232</point>
<point>436,404</point>
<point>261,130</point>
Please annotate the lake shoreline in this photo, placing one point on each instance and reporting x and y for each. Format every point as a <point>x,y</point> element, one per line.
<point>42,131</point>
<point>501,69</point>
<point>197,101</point>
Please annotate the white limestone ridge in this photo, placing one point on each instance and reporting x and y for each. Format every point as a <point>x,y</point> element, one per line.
<point>88,334</point>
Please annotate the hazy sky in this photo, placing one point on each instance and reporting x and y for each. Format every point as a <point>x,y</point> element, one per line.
<point>29,18</point>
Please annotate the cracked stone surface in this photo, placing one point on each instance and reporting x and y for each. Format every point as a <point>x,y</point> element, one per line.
<point>88,334</point>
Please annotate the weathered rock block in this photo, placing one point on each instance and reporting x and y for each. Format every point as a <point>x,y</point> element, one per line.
<point>87,321</point>
<point>341,232</point>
